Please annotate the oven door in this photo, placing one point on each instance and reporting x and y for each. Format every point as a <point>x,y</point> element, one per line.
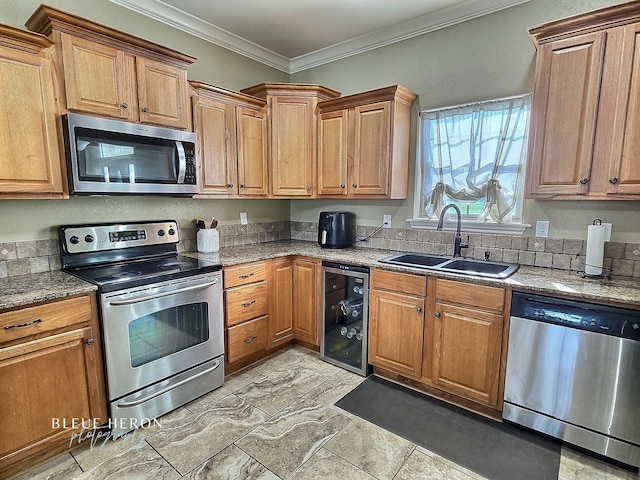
<point>159,330</point>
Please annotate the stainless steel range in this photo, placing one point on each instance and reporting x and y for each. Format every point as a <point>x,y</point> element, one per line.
<point>161,316</point>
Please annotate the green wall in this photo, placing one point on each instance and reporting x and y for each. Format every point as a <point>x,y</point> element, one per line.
<point>489,57</point>
<point>38,219</point>
<point>485,58</point>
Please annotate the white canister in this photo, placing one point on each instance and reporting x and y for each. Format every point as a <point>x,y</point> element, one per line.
<point>208,240</point>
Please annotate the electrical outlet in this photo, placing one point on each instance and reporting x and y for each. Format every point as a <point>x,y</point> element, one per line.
<point>607,232</point>
<point>542,228</point>
<point>243,218</point>
<point>386,220</point>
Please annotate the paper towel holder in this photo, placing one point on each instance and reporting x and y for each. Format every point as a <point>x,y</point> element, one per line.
<point>594,258</point>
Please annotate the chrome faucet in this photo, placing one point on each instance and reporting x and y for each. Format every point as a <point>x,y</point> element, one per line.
<point>457,243</point>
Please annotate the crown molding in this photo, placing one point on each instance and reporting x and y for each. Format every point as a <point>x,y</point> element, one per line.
<point>192,25</point>
<point>458,13</point>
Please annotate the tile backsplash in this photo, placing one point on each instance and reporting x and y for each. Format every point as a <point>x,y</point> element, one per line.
<point>619,258</point>
<point>623,259</point>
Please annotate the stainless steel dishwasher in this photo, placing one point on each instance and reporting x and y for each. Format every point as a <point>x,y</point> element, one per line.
<point>573,372</point>
<point>345,306</point>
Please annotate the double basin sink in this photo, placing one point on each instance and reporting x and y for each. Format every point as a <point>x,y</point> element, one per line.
<point>453,265</point>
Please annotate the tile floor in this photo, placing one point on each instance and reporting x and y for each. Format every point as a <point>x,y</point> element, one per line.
<point>277,420</point>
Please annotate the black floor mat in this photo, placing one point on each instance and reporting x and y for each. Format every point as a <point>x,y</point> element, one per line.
<point>495,450</point>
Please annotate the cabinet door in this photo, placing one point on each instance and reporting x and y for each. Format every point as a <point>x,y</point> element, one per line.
<point>371,149</point>
<point>292,147</point>
<point>98,79</point>
<point>332,153</point>
<point>215,125</point>
<point>42,382</point>
<point>396,327</point>
<point>305,301</point>
<point>623,62</point>
<point>162,94</point>
<point>29,151</point>
<point>281,304</point>
<point>466,352</point>
<point>563,120</point>
<point>252,151</point>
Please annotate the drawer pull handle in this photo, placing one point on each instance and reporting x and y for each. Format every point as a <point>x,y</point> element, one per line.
<point>23,325</point>
<point>246,276</point>
<point>250,339</point>
<point>248,304</point>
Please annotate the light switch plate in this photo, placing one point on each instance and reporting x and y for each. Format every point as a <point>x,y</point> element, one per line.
<point>542,228</point>
<point>386,221</point>
<point>243,218</point>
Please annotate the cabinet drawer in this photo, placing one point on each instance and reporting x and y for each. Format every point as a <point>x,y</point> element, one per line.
<point>244,274</point>
<point>43,318</point>
<point>491,298</point>
<point>248,338</point>
<point>399,282</point>
<point>247,302</point>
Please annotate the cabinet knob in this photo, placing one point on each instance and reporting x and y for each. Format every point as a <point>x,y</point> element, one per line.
<point>145,109</point>
<point>309,187</point>
<point>243,185</point>
<point>584,180</point>
<point>342,185</point>
<point>354,185</point>
<point>125,105</point>
<point>419,309</point>
<point>230,185</point>
<point>613,180</point>
<point>90,341</point>
<point>437,314</point>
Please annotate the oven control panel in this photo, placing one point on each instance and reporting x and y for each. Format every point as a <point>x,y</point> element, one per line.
<point>92,238</point>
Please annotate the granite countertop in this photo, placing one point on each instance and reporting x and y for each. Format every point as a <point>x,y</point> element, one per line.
<point>620,290</point>
<point>41,287</point>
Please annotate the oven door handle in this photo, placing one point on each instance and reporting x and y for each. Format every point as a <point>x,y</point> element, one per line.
<point>131,301</point>
<point>168,388</point>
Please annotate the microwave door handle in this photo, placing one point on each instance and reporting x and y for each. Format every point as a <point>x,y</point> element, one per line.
<point>182,162</point>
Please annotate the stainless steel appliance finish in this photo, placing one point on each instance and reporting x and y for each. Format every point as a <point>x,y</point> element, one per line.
<point>114,157</point>
<point>161,316</point>
<point>345,322</point>
<point>572,373</point>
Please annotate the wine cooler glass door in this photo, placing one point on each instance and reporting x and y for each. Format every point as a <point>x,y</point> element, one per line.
<point>346,306</point>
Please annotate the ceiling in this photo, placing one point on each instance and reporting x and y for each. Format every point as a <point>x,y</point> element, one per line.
<point>294,35</point>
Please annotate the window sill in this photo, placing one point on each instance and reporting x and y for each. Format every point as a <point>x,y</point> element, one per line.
<point>471,227</point>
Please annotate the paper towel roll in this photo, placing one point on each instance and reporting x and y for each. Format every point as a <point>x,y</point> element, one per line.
<point>595,250</point>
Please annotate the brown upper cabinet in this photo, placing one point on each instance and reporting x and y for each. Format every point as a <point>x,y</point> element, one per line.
<point>585,121</point>
<point>364,144</point>
<point>110,73</point>
<point>291,109</point>
<point>30,155</point>
<point>232,142</point>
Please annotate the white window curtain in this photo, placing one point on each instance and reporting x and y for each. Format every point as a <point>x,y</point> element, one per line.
<point>475,152</point>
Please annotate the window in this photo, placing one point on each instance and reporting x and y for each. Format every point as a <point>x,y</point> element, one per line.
<point>473,156</point>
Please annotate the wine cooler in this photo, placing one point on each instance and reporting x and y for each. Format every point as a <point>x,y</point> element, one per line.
<point>345,305</point>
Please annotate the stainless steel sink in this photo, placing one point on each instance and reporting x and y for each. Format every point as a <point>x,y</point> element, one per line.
<point>480,268</point>
<point>415,260</point>
<point>454,265</point>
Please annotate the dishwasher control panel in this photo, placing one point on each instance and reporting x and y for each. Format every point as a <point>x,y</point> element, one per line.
<point>615,321</point>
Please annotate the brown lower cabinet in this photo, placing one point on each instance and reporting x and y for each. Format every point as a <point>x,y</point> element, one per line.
<point>50,378</point>
<point>454,349</point>
<point>269,304</point>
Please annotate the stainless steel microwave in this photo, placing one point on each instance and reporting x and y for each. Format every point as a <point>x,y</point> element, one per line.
<point>110,157</point>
